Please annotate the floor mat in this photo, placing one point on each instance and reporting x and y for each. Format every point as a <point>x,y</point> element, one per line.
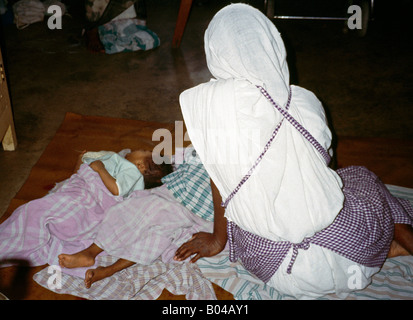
<point>390,159</point>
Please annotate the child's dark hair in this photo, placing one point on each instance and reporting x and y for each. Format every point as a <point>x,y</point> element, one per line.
<point>155,173</point>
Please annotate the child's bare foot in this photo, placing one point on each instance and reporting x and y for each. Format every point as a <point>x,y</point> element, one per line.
<point>93,275</point>
<point>84,258</point>
<point>77,260</point>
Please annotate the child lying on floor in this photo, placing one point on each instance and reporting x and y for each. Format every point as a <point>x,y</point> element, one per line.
<point>151,223</point>
<point>68,217</point>
<point>125,172</point>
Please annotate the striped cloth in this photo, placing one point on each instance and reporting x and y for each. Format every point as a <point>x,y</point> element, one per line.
<point>148,225</point>
<point>66,220</point>
<point>393,282</point>
<point>190,184</point>
<point>138,282</point>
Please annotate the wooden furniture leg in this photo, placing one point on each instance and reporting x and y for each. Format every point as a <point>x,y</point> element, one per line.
<point>184,9</point>
<point>7,132</point>
<point>269,8</point>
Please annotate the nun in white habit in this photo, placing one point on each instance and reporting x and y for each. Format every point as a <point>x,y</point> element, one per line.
<point>272,174</point>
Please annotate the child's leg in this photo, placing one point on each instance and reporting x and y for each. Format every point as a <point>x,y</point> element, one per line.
<point>84,258</point>
<point>93,275</point>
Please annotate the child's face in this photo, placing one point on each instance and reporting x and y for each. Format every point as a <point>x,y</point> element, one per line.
<point>142,159</point>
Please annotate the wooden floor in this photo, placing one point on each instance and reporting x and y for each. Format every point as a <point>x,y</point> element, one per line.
<point>390,159</point>
<point>56,164</point>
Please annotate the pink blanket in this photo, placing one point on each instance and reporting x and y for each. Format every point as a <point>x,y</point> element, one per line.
<point>65,220</point>
<point>148,225</point>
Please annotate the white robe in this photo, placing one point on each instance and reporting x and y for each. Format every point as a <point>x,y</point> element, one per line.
<point>229,122</point>
<point>292,194</point>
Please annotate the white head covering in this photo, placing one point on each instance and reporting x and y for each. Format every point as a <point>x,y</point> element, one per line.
<point>292,193</point>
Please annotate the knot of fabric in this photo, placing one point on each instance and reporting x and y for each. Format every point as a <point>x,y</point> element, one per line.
<point>305,244</point>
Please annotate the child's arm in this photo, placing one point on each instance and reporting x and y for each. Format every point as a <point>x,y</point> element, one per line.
<point>108,180</point>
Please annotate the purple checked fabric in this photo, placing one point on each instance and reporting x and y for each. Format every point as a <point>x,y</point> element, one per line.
<point>362,231</point>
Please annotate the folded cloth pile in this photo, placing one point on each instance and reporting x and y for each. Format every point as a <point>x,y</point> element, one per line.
<point>27,12</point>
<point>127,35</point>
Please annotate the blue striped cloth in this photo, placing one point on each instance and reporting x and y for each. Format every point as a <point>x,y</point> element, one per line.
<point>190,184</point>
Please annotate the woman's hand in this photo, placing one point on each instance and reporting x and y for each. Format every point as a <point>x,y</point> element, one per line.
<point>202,244</point>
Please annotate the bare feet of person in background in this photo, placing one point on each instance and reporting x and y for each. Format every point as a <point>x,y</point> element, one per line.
<point>93,42</point>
